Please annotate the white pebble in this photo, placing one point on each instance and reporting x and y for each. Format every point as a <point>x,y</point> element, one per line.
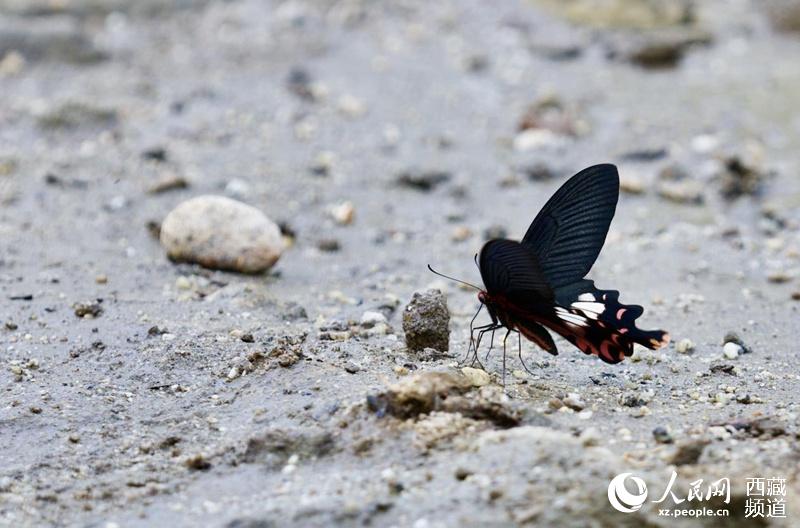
<point>731,350</point>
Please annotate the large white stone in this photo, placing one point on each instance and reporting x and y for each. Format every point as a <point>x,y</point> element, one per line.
<point>221,233</point>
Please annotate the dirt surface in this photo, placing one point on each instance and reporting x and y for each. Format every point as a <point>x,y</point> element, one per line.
<point>181,396</point>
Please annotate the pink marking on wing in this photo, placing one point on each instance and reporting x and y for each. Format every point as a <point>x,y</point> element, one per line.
<point>620,312</point>
<point>623,330</point>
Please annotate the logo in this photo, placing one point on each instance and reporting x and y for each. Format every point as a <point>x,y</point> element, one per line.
<point>621,499</point>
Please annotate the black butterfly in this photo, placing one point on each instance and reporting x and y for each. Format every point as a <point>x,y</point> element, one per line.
<point>539,283</point>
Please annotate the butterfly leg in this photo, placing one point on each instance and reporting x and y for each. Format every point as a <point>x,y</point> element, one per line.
<point>520,355</point>
<point>504,357</point>
<point>471,346</point>
<point>488,328</point>
<point>491,342</point>
<point>472,350</point>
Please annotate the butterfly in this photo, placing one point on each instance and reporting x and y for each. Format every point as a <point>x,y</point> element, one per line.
<point>538,284</point>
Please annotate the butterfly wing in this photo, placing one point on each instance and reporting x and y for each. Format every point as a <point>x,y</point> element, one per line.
<point>566,237</point>
<point>597,323</point>
<point>512,271</point>
<point>570,230</point>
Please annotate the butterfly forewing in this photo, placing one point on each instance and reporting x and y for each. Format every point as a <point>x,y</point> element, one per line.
<point>511,270</point>
<point>568,233</point>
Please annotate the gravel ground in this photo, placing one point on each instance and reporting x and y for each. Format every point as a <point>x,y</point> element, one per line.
<point>141,392</point>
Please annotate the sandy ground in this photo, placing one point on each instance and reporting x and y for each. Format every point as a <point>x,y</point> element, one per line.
<point>295,107</point>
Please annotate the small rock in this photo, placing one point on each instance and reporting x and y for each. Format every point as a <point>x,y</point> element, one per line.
<point>248,338</point>
<point>683,192</point>
<point>422,180</point>
<point>74,115</point>
<point>445,391</point>
<point>168,182</point>
<point>477,377</point>
<point>779,277</point>
<point>460,234</point>
<point>574,402</point>
<point>733,337</point>
<point>664,48</point>
<point>371,318</point>
<point>350,106</point>
<point>351,367</point>
<point>740,179</point>
<point>426,322</point>
<point>197,462</point>
<point>221,233</point>
<point>731,350</point>
<point>158,154</point>
<point>238,189</point>
<point>631,184</point>
<point>343,213</point>
<point>661,435</point>
<point>537,138</point>
<point>88,309</point>
<point>684,346</point>
<point>329,245</point>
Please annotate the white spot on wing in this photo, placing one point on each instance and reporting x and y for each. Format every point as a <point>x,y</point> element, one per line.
<point>571,318</point>
<point>586,297</point>
<point>594,307</point>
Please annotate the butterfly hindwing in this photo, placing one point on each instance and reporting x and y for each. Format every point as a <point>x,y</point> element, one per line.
<point>570,230</point>
<point>597,323</point>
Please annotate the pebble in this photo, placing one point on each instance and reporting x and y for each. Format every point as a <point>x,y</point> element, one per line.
<point>662,435</point>
<point>631,184</point>
<point>574,402</point>
<point>221,233</point>
<point>351,367</point>
<point>460,234</point>
<point>731,350</point>
<point>329,245</point>
<point>371,318</point>
<point>351,106</point>
<point>426,322</point>
<point>238,188</point>
<point>88,310</point>
<point>168,182</point>
<point>422,180</point>
<point>478,377</point>
<point>343,213</point>
<point>683,192</point>
<point>684,346</point>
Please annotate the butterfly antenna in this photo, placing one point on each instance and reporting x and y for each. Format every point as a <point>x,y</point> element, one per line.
<point>453,279</point>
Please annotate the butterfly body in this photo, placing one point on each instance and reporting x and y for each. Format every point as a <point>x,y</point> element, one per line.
<point>538,283</point>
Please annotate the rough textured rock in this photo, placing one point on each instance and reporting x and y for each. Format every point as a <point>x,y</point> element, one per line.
<point>426,322</point>
<point>447,391</point>
<point>221,233</point>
